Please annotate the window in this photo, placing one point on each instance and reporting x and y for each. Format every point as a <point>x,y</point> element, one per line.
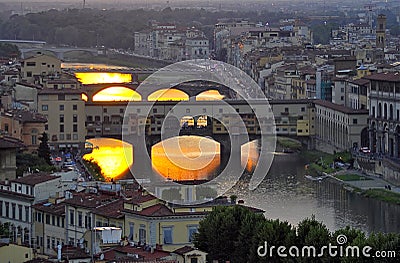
<point>31,64</point>
<point>74,107</point>
<point>61,128</point>
<point>1,208</point>
<point>121,110</point>
<point>61,118</point>
<point>29,74</point>
<point>354,121</point>
<point>75,137</point>
<point>48,219</point>
<point>71,217</point>
<point>75,118</point>
<point>61,137</point>
<point>7,205</point>
<point>221,110</point>
<point>46,127</point>
<point>45,107</point>
<point>286,109</point>
<point>191,231</point>
<point>75,128</point>
<point>105,110</point>
<point>61,96</point>
<point>167,234</point>
<point>303,109</point>
<point>194,260</point>
<point>53,220</point>
<point>13,211</point>
<point>80,219</point>
<point>154,110</point>
<point>142,234</point>
<point>131,230</point>
<point>68,136</point>
<point>48,242</point>
<point>96,118</point>
<point>34,139</point>
<point>20,212</point>
<point>61,107</point>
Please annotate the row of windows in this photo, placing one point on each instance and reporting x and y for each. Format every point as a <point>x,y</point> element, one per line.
<point>61,107</point>
<point>49,219</point>
<point>80,221</point>
<point>14,211</point>
<point>74,128</point>
<point>53,242</point>
<point>167,233</point>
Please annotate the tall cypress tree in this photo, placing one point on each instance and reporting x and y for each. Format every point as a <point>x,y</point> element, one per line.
<point>44,149</point>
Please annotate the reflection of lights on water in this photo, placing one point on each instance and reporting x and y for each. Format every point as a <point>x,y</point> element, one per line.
<point>168,95</point>
<point>103,77</point>
<point>250,154</point>
<point>113,156</point>
<point>196,158</point>
<point>117,94</point>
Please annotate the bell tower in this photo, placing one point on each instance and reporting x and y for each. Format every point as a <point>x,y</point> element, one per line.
<point>381,32</point>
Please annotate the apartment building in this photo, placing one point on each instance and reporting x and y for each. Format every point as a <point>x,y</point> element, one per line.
<point>65,111</point>
<point>340,128</point>
<point>384,113</point>
<point>35,68</point>
<point>17,197</point>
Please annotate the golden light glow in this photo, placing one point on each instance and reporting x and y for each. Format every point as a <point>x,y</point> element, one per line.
<point>250,155</point>
<point>168,95</point>
<point>117,93</point>
<point>113,156</point>
<point>84,97</point>
<point>210,95</point>
<point>187,121</point>
<point>103,77</point>
<point>186,158</point>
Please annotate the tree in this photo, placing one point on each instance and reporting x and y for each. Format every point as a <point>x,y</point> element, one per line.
<point>226,232</point>
<point>4,230</point>
<point>44,149</point>
<point>9,51</point>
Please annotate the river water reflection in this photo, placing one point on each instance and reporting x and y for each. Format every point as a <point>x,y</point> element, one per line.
<point>287,195</point>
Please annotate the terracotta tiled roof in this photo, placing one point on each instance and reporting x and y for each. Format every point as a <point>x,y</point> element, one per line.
<point>143,254</point>
<point>34,179</point>
<point>7,142</point>
<point>89,200</point>
<point>112,209</point>
<point>28,116</point>
<point>156,210</point>
<point>55,209</point>
<point>338,107</point>
<point>184,250</point>
<point>387,76</point>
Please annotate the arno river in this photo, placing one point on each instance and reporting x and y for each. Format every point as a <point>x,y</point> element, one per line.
<point>284,194</point>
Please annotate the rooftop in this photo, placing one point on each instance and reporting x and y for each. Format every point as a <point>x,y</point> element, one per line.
<point>34,179</point>
<point>54,209</point>
<point>340,108</point>
<point>386,76</point>
<point>7,142</point>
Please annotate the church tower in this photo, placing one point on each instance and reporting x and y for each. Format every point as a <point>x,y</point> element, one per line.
<point>381,32</point>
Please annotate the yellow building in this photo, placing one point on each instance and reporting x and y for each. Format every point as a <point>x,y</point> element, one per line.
<point>35,68</point>
<point>65,112</point>
<point>13,253</point>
